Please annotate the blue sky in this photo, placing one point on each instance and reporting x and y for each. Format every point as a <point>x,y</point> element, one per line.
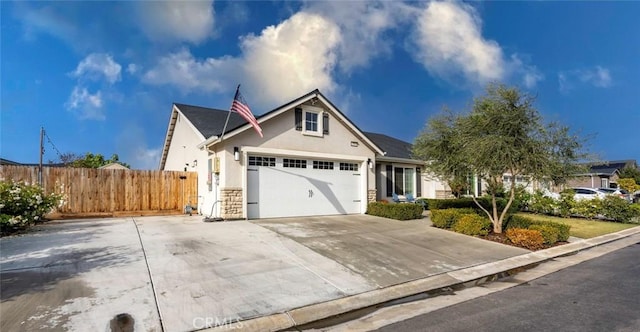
<point>101,76</point>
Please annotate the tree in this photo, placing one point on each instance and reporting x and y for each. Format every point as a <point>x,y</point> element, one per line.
<point>630,172</point>
<point>629,184</point>
<point>89,160</point>
<point>503,133</point>
<point>66,158</point>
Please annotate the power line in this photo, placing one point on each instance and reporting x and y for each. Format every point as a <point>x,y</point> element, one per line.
<point>54,146</point>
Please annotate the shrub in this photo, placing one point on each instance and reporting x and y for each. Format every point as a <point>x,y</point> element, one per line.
<point>616,208</point>
<point>541,204</point>
<point>395,211</point>
<point>522,199</point>
<point>587,208</point>
<point>447,217</point>
<point>22,204</point>
<point>567,202</point>
<point>527,238</point>
<point>423,202</point>
<point>564,230</point>
<point>635,210</point>
<point>521,222</point>
<point>549,233</point>
<point>515,221</point>
<point>472,224</point>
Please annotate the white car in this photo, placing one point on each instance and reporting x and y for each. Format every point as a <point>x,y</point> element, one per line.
<point>617,192</point>
<point>583,193</point>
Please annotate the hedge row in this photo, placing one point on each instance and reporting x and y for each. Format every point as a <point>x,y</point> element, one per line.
<point>551,231</point>
<point>465,221</point>
<point>610,207</point>
<point>395,211</point>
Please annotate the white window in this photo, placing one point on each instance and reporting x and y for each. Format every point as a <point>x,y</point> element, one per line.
<point>604,183</point>
<point>312,121</point>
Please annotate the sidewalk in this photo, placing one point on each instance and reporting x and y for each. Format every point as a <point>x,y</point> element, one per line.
<point>463,277</point>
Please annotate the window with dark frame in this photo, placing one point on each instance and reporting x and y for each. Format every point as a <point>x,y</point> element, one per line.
<point>294,163</point>
<point>319,164</point>
<point>262,161</point>
<point>348,167</point>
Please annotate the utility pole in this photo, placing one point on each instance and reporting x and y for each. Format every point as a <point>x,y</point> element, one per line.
<point>41,154</point>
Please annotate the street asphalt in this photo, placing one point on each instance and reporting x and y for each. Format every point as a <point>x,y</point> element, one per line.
<point>602,294</point>
<point>177,273</point>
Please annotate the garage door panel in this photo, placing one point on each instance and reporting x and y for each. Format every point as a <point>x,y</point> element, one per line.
<point>286,191</point>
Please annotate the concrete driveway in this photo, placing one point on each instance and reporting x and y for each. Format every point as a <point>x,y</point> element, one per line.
<point>387,252</point>
<point>185,274</point>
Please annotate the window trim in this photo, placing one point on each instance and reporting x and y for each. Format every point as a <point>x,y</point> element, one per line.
<point>319,112</point>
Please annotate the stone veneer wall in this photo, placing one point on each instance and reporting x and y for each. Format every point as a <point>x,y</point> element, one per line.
<point>371,195</point>
<point>231,203</point>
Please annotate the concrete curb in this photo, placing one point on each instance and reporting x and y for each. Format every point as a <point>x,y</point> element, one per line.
<point>475,274</point>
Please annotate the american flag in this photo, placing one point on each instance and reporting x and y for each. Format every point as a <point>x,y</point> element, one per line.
<point>240,106</point>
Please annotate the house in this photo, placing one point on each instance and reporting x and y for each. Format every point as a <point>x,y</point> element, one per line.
<point>312,160</point>
<point>113,166</point>
<point>601,175</point>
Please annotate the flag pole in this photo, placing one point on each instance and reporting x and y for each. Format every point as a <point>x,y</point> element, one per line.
<point>224,129</point>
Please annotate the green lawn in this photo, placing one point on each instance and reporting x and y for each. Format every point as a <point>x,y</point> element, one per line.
<point>584,228</point>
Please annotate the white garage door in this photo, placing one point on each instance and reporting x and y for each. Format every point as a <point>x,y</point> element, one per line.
<point>289,187</point>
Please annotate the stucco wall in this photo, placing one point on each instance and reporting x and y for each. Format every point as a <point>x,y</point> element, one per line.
<point>280,133</point>
<point>183,150</point>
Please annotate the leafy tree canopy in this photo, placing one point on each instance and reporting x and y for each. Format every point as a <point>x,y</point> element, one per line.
<point>89,160</point>
<point>503,133</point>
<point>630,173</point>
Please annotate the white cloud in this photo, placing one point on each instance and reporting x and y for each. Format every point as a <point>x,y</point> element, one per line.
<point>96,66</point>
<point>176,20</point>
<point>598,76</point>
<point>450,44</point>
<point>299,54</point>
<point>530,74</point>
<point>85,104</point>
<point>362,26</point>
<point>284,61</point>
<point>132,68</point>
<point>181,69</point>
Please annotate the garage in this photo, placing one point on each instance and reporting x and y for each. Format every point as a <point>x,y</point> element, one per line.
<point>280,186</point>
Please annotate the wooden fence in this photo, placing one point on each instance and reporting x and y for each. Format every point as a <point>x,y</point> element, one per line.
<point>112,192</point>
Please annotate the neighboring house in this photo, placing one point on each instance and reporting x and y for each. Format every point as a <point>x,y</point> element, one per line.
<point>113,166</point>
<point>312,161</point>
<point>602,175</point>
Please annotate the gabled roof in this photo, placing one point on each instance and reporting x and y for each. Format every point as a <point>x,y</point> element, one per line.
<point>392,147</point>
<point>313,95</point>
<point>210,121</point>
<point>610,167</point>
